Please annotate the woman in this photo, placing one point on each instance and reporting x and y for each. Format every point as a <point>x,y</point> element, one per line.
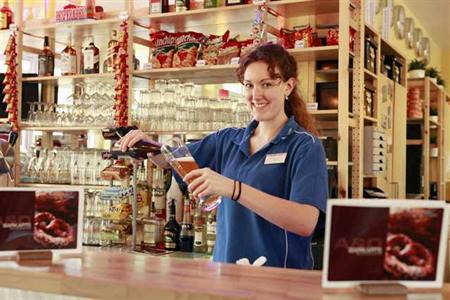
<point>272,174</point>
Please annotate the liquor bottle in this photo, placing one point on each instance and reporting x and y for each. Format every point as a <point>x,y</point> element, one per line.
<point>211,231</point>
<point>199,231</point>
<point>91,54</point>
<point>142,193</point>
<point>187,229</point>
<point>158,192</point>
<point>171,231</point>
<point>111,53</point>
<point>69,59</point>
<point>182,5</point>
<point>136,62</point>
<point>174,194</point>
<point>46,60</point>
<point>6,15</point>
<point>159,6</point>
<point>152,228</point>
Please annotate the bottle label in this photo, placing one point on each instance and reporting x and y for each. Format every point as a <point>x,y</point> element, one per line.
<point>149,234</point>
<point>169,240</point>
<point>160,201</point>
<point>68,63</point>
<point>3,20</point>
<point>198,238</point>
<point>156,7</point>
<point>89,59</point>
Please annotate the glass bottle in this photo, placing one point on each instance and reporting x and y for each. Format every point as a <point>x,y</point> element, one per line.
<point>111,53</point>
<point>158,192</point>
<point>69,59</point>
<point>46,60</point>
<point>159,6</point>
<point>136,62</point>
<point>199,231</point>
<point>152,230</point>
<point>182,5</point>
<point>171,230</point>
<point>142,192</point>
<point>6,15</point>
<point>174,194</point>
<point>211,231</point>
<point>91,54</point>
<point>187,229</point>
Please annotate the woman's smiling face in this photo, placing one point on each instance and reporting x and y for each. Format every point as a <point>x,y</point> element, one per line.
<point>264,95</point>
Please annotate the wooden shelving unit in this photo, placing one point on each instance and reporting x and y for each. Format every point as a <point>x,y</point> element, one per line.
<point>433,155</point>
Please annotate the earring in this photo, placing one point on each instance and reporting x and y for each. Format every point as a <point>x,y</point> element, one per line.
<point>286,98</point>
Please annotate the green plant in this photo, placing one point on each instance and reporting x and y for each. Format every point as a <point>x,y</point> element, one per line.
<point>440,81</point>
<point>416,64</point>
<point>431,72</point>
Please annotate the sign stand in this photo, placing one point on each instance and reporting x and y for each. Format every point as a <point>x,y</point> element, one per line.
<point>34,256</point>
<point>382,289</point>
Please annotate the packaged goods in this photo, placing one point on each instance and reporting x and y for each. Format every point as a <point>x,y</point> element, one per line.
<point>247,46</point>
<point>186,50</point>
<point>211,47</point>
<point>163,44</point>
<point>228,50</point>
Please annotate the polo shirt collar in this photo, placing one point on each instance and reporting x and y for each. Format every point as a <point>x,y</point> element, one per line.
<point>288,128</point>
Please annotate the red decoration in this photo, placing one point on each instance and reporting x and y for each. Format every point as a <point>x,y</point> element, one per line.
<point>122,79</point>
<point>10,82</point>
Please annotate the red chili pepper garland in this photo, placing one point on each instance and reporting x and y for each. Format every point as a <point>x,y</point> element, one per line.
<point>10,82</point>
<point>121,78</point>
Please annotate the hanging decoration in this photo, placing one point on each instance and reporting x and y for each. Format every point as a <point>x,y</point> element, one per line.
<point>121,78</point>
<point>10,82</point>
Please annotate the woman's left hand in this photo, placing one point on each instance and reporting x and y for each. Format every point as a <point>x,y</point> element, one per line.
<point>204,182</point>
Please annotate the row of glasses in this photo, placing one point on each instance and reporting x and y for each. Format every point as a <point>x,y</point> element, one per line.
<point>171,106</point>
<point>64,166</point>
<point>90,104</point>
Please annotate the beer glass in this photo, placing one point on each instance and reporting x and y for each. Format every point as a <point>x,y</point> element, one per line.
<point>180,159</point>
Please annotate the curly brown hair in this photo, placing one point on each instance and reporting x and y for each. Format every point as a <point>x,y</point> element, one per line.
<point>277,58</point>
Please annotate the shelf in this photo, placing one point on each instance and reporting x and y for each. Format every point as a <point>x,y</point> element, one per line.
<point>71,78</point>
<point>79,29</point>
<point>213,17</point>
<point>227,73</point>
<point>388,49</point>
<point>420,83</point>
<point>323,112</point>
<point>25,126</point>
<point>415,120</point>
<point>369,29</point>
<point>369,74</point>
<point>437,124</point>
<point>370,119</point>
<point>335,163</point>
<point>414,142</point>
<point>49,185</point>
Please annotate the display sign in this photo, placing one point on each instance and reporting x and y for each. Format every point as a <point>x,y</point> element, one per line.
<point>41,219</point>
<point>379,241</point>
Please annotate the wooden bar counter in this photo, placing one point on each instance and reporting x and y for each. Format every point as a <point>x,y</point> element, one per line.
<point>122,275</point>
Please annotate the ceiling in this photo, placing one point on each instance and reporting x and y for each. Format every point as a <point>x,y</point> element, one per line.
<point>434,16</point>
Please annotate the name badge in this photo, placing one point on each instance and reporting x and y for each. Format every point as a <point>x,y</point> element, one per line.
<point>275,158</point>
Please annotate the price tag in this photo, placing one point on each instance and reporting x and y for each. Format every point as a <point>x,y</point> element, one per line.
<point>299,44</point>
<point>147,66</point>
<point>312,106</point>
<point>235,61</point>
<point>200,63</point>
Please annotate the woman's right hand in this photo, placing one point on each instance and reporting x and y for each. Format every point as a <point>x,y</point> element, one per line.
<point>131,138</point>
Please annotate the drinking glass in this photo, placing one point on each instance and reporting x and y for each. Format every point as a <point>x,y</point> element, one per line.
<point>181,160</point>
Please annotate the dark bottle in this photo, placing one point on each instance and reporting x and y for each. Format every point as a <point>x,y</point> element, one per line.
<point>111,53</point>
<point>46,60</point>
<point>171,231</point>
<point>187,229</point>
<point>91,55</point>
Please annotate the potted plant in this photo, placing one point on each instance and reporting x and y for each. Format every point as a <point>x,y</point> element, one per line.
<point>433,73</point>
<point>416,69</point>
<point>440,82</point>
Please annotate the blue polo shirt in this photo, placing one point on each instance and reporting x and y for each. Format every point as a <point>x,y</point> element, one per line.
<point>302,178</point>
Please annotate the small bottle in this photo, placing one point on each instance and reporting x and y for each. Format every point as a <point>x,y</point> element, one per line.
<point>69,59</point>
<point>159,6</point>
<point>211,231</point>
<point>187,229</point>
<point>182,5</point>
<point>158,192</point>
<point>172,5</point>
<point>91,54</point>
<point>111,53</point>
<point>90,8</point>
<point>136,62</point>
<point>152,228</point>
<point>199,231</point>
<point>142,193</point>
<point>171,231</point>
<point>174,194</point>
<point>6,15</point>
<point>46,60</point>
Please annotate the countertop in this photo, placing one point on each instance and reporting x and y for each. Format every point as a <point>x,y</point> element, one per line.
<point>123,275</point>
